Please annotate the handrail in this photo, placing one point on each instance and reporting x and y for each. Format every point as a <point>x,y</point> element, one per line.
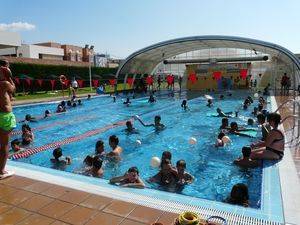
<point>282,104</point>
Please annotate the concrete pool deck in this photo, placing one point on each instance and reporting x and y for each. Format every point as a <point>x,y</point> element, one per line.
<point>29,201</point>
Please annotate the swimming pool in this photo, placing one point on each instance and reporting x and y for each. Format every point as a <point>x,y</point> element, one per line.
<point>212,167</point>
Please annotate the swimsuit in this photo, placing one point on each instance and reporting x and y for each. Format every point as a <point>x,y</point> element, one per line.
<point>277,152</point>
<point>7,121</point>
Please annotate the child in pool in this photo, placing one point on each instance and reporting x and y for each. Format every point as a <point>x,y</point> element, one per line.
<point>130,179</point>
<point>245,161</point>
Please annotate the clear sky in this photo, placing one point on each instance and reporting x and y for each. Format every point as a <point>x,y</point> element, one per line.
<point>121,27</point>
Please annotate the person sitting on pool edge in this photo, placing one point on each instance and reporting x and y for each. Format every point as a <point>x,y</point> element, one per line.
<point>273,147</point>
<point>130,179</point>
<point>158,126</point>
<point>184,105</point>
<point>239,195</point>
<point>115,154</point>
<point>99,149</point>
<point>27,135</point>
<point>129,128</point>
<point>245,161</point>
<point>183,176</point>
<point>222,114</point>
<point>57,154</point>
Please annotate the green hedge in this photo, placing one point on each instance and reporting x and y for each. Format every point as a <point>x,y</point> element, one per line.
<point>39,71</point>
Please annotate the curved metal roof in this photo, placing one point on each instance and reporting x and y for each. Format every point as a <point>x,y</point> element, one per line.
<point>145,60</point>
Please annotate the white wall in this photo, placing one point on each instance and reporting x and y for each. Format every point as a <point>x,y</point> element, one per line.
<point>33,51</point>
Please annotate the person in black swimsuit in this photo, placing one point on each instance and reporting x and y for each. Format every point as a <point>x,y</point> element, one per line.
<point>273,147</point>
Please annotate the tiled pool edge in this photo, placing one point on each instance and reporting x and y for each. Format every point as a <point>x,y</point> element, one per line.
<point>235,215</point>
<point>289,183</point>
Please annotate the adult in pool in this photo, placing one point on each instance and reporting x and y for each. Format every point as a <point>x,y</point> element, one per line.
<point>57,161</point>
<point>130,129</point>
<point>115,153</point>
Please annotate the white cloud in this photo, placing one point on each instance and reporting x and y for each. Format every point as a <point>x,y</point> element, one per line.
<point>17,26</point>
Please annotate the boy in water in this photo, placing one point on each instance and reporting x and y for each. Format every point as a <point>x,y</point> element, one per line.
<point>7,118</point>
<point>222,114</point>
<point>158,126</point>
<point>57,154</point>
<point>167,175</point>
<point>245,161</point>
<point>130,179</point>
<point>183,176</point>
<point>130,129</point>
<point>99,149</point>
<point>96,170</point>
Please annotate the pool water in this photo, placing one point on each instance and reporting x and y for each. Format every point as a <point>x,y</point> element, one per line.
<point>212,167</point>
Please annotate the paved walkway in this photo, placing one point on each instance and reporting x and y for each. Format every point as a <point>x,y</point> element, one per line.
<point>25,201</point>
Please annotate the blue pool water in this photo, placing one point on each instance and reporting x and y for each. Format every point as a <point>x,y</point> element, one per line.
<point>212,167</point>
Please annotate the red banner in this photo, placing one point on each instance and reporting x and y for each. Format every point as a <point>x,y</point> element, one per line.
<point>170,79</point>
<point>112,81</point>
<point>192,77</point>
<point>217,75</point>
<point>17,80</point>
<point>149,80</point>
<point>28,81</point>
<point>130,81</point>
<point>80,83</point>
<point>243,73</point>
<point>95,83</point>
<point>40,82</point>
<point>52,83</point>
<point>67,83</point>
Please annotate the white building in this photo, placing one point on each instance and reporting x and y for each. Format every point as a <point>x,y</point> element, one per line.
<point>9,39</point>
<point>34,52</point>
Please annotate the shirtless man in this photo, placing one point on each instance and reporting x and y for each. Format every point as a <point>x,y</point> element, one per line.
<point>7,118</point>
<point>116,151</point>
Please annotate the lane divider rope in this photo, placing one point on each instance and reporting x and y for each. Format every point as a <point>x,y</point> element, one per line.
<point>68,140</point>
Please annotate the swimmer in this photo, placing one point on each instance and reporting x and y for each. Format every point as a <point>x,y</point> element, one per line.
<point>245,161</point>
<point>219,141</point>
<point>47,113</point>
<point>167,174</point>
<point>69,103</point>
<point>239,195</point>
<point>157,124</point>
<point>255,111</point>
<point>234,129</point>
<point>99,149</point>
<point>114,98</point>
<point>89,97</point>
<point>222,114</point>
<point>79,102</point>
<point>209,103</point>
<point>245,106</point>
<point>165,155</point>
<point>59,109</point>
<point>184,105</point>
<point>130,179</point>
<point>57,154</point>
<point>27,135</point>
<point>250,122</point>
<point>130,128</point>
<point>127,102</point>
<point>221,97</point>
<point>225,124</point>
<point>151,99</point>
<point>183,176</point>
<point>15,145</point>
<point>28,118</point>
<point>116,151</point>
<point>96,170</point>
<point>250,99</point>
<point>74,104</point>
